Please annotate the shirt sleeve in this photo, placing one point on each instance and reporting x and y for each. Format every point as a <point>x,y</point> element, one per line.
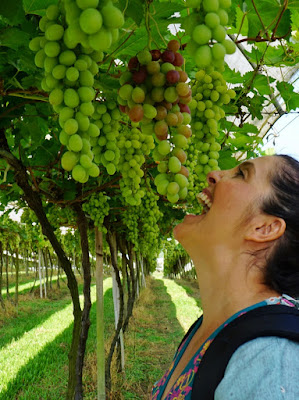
<point>262,369</point>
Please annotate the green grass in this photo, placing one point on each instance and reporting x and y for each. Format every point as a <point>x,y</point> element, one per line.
<point>25,284</point>
<point>163,314</point>
<point>37,353</point>
<point>34,344</point>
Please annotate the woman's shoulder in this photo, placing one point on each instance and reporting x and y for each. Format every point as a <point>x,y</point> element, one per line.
<point>262,369</point>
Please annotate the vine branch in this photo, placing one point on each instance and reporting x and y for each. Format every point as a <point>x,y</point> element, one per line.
<point>284,7</point>
<point>114,51</point>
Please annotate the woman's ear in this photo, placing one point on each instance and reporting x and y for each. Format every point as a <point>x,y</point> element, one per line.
<point>266,228</point>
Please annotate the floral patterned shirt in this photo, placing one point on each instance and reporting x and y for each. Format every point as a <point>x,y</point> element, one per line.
<point>182,388</point>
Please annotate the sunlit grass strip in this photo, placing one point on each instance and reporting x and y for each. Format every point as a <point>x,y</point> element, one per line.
<point>18,353</point>
<point>186,306</point>
<point>28,285</point>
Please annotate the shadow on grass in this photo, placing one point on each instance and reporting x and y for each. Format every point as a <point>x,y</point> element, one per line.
<point>29,317</point>
<point>153,336</point>
<point>50,362</point>
<point>45,376</point>
<point>30,282</point>
<point>33,312</point>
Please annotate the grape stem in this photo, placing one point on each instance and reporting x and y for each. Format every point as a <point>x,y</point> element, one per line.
<point>158,30</point>
<point>147,23</point>
<point>259,37</point>
<point>261,21</point>
<point>284,7</point>
<point>114,51</point>
<point>241,24</point>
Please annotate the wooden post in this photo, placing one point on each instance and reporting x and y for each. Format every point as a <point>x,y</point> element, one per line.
<point>40,273</point>
<point>1,274</point>
<point>116,303</point>
<point>17,278</point>
<point>143,282</point>
<point>99,273</point>
<point>45,275</point>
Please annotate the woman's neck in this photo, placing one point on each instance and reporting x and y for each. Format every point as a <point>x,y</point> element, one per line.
<point>226,288</point>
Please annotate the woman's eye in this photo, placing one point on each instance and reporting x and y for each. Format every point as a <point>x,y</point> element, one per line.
<point>239,173</point>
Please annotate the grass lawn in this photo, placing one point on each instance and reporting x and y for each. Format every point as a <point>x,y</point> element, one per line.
<point>34,343</point>
<point>26,283</point>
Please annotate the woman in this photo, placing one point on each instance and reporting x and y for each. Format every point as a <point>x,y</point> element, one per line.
<point>245,248</point>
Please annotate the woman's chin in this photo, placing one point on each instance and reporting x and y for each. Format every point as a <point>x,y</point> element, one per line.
<point>181,230</point>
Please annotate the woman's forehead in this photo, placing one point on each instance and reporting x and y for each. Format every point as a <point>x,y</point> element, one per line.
<point>263,164</point>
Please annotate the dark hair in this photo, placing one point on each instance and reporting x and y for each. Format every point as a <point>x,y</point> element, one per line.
<point>282,268</point>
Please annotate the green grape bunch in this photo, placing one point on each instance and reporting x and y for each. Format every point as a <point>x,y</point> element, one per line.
<point>149,218</point>
<point>206,26</point>
<point>134,146</point>
<point>142,222</point>
<point>210,93</point>
<point>97,207</point>
<point>106,150</point>
<point>209,44</point>
<point>75,36</point>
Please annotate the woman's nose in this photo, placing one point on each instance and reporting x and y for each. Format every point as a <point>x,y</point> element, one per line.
<point>213,177</point>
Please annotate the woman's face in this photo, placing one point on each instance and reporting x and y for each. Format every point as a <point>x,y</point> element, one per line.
<point>232,194</point>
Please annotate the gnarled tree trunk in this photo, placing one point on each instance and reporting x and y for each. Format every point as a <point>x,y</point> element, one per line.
<point>33,200</point>
<point>85,321</point>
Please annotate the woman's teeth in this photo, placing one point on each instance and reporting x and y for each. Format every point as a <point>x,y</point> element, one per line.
<point>204,200</point>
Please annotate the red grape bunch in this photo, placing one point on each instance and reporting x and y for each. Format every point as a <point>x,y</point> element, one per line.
<point>154,93</point>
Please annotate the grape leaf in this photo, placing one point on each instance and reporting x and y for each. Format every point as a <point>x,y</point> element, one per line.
<point>240,21</point>
<point>34,127</point>
<point>164,15</point>
<point>227,159</point>
<point>133,9</point>
<point>29,81</point>
<point>37,7</point>
<point>45,153</point>
<point>106,82</point>
<point>239,142</point>
<point>232,76</point>
<point>14,38</point>
<point>274,55</point>
<point>12,11</point>
<point>294,5</point>
<point>132,44</point>
<point>255,105</point>
<point>245,128</point>
<point>290,97</point>
<point>262,84</point>
<point>269,12</point>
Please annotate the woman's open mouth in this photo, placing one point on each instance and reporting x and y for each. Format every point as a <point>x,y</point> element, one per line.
<point>205,199</point>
